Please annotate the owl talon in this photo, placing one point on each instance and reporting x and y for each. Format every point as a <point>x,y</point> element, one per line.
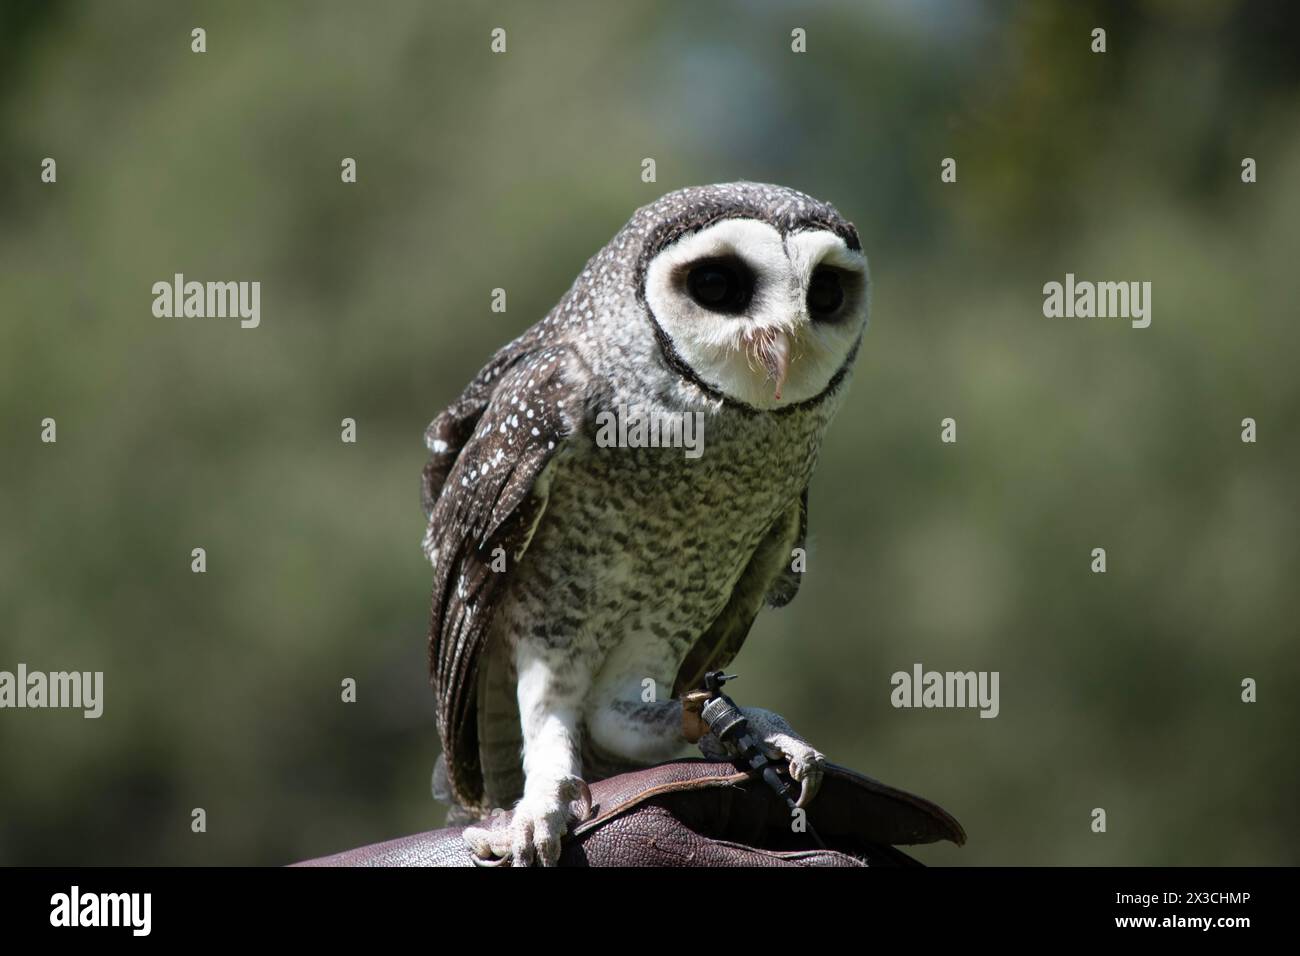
<point>809,786</point>
<point>806,765</point>
<point>489,844</point>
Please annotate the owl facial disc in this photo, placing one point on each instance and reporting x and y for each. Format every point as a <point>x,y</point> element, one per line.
<point>764,318</point>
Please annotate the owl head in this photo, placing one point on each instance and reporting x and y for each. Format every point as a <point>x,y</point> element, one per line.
<point>758,294</point>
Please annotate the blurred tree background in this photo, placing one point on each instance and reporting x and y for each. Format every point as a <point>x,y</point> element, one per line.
<point>476,171</point>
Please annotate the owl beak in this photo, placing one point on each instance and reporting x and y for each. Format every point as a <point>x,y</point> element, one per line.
<point>771,347</point>
<point>776,359</point>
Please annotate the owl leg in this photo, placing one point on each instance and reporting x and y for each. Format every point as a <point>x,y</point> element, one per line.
<point>650,731</point>
<point>640,732</point>
<point>552,686</point>
<point>807,764</point>
<point>626,717</point>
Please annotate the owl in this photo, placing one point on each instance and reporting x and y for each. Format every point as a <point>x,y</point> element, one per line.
<point>585,577</point>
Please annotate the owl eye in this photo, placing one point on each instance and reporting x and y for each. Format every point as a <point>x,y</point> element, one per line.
<point>721,285</point>
<point>825,293</point>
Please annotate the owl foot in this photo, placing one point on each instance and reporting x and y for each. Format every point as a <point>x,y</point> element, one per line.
<point>806,764</point>
<point>533,831</point>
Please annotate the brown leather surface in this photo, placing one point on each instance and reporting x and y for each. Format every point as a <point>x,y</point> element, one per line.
<point>701,813</point>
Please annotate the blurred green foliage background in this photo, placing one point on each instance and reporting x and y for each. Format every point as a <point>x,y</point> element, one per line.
<point>1119,691</point>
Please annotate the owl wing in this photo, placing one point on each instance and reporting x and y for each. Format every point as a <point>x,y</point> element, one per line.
<point>484,490</point>
<point>769,578</point>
